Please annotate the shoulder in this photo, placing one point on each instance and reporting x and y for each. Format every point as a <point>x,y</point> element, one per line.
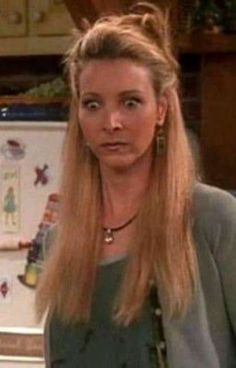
<point>207,195</point>
<point>215,201</point>
<point>214,213</point>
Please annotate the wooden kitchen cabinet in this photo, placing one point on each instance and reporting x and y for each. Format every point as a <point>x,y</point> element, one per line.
<point>49,17</point>
<point>12,18</point>
<point>34,27</point>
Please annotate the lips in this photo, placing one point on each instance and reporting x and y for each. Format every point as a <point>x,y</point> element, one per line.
<point>114,145</point>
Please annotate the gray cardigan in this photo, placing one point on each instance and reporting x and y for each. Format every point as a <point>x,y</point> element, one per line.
<point>206,337</point>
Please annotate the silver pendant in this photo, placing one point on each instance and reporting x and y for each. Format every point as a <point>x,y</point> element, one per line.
<point>109,237</point>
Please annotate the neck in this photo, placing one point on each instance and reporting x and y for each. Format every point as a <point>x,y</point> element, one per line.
<point>123,192</point>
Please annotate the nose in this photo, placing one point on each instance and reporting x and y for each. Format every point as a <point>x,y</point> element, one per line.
<point>112,121</point>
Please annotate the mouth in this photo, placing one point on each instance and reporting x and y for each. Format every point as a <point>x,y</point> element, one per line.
<point>114,145</point>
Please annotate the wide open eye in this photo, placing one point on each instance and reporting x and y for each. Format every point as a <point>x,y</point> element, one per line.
<point>90,104</point>
<point>132,102</point>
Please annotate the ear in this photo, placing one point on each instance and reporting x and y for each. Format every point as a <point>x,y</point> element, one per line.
<point>162,106</point>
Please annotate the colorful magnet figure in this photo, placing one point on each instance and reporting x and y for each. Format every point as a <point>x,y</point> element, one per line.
<point>39,249</point>
<point>13,149</point>
<point>9,206</point>
<point>5,289</point>
<point>10,198</point>
<point>41,175</point>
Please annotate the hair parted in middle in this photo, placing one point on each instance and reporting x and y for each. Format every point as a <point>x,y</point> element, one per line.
<point>162,248</point>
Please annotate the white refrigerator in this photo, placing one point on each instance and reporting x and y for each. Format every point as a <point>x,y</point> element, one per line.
<point>30,166</point>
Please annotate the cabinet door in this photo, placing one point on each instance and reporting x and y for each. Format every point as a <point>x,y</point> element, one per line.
<point>218,130</point>
<point>48,17</point>
<point>12,18</point>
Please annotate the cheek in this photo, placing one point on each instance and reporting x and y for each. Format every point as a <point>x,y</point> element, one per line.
<point>142,139</point>
<point>145,131</point>
<point>151,126</point>
<point>148,137</point>
<point>90,124</point>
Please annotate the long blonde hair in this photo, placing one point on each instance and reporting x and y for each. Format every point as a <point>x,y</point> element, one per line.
<point>162,248</point>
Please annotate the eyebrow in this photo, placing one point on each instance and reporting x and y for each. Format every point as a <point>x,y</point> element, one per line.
<point>123,93</point>
<point>130,91</point>
<point>89,94</point>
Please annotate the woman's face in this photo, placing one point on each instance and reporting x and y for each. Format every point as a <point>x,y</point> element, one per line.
<point>119,111</point>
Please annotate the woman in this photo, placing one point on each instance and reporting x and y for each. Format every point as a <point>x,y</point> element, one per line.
<point>135,228</point>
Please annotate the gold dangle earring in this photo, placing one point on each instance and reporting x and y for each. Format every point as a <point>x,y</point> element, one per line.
<point>160,142</point>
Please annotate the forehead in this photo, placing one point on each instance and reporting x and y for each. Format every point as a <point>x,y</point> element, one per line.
<point>122,74</point>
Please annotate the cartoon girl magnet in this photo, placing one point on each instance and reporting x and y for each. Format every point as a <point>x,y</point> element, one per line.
<point>10,199</point>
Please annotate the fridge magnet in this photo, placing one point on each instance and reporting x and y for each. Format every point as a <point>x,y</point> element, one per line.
<point>40,246</point>
<point>42,175</point>
<point>5,289</point>
<point>10,199</point>
<point>51,212</point>
<point>13,149</point>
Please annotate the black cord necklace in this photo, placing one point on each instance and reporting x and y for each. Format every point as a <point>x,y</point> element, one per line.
<point>109,231</point>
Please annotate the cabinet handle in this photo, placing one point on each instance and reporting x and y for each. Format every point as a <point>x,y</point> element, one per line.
<point>38,16</point>
<point>15,17</point>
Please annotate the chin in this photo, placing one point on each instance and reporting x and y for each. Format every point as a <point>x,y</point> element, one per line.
<point>117,164</point>
<point>113,161</point>
<point>125,162</point>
